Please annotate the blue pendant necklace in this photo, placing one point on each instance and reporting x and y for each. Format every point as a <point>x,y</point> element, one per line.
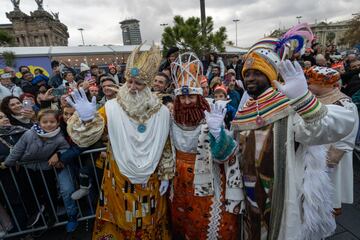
<point>141,128</point>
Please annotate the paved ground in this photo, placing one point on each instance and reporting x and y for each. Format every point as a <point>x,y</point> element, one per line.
<point>349,222</point>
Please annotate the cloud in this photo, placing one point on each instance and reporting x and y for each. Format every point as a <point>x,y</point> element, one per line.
<point>100,19</point>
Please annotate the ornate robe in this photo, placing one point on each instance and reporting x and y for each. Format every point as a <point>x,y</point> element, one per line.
<point>130,205</point>
<point>206,194</point>
<point>286,185</point>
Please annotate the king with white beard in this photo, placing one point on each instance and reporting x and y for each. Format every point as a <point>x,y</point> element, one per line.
<point>139,162</point>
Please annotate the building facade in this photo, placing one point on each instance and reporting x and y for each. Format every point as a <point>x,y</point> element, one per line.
<point>330,33</point>
<point>131,32</point>
<point>40,28</point>
<point>325,33</point>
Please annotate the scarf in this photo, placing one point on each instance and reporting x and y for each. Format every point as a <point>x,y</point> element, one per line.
<point>21,118</point>
<point>11,130</point>
<point>269,107</point>
<point>332,97</point>
<point>42,133</point>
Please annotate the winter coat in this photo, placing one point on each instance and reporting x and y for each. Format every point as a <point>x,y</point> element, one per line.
<point>4,92</point>
<point>55,81</point>
<point>9,136</point>
<point>237,68</point>
<point>32,148</point>
<point>12,91</point>
<point>235,98</point>
<point>27,87</point>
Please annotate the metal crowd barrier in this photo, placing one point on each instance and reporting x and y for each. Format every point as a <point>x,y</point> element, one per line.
<point>86,207</point>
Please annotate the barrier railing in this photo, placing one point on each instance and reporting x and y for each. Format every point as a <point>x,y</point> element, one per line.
<point>21,187</point>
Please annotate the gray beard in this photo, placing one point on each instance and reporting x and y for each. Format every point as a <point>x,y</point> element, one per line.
<point>139,106</point>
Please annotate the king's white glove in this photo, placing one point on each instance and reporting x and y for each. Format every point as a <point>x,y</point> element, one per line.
<point>163,187</point>
<point>84,108</point>
<point>295,82</point>
<point>215,118</point>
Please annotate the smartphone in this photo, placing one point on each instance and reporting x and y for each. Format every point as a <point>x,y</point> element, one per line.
<point>87,76</point>
<point>58,92</point>
<point>27,104</point>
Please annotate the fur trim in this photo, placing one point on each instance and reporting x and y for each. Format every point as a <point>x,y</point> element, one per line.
<point>317,220</point>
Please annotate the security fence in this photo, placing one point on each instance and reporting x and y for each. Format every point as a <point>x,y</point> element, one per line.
<point>33,200</point>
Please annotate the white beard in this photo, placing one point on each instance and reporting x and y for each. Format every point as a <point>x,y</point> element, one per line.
<point>139,106</point>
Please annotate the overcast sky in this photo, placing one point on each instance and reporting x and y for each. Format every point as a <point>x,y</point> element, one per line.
<point>100,18</point>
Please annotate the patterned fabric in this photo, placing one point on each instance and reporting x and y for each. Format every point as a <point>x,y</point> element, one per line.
<point>85,134</point>
<point>309,107</point>
<point>195,217</point>
<point>270,106</point>
<point>222,148</point>
<point>258,182</point>
<point>166,167</point>
<point>261,62</point>
<point>130,211</point>
<point>322,76</point>
<point>42,133</point>
<point>204,168</point>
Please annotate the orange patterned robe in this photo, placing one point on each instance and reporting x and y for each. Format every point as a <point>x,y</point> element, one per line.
<point>191,215</point>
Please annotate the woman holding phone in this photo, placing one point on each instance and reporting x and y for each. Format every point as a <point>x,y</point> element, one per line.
<point>18,114</point>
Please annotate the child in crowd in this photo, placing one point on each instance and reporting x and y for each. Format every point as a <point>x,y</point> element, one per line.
<point>220,93</point>
<point>69,157</point>
<point>34,150</point>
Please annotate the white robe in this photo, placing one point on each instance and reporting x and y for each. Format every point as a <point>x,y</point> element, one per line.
<point>342,176</point>
<point>136,153</point>
<point>337,123</point>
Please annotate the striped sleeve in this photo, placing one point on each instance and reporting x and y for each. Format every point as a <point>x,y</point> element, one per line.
<point>309,107</point>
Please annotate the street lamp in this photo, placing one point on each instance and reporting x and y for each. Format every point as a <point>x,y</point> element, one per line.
<point>236,21</point>
<point>203,18</point>
<point>298,18</point>
<point>82,37</point>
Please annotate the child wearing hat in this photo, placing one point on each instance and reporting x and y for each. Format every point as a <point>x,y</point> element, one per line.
<point>220,94</point>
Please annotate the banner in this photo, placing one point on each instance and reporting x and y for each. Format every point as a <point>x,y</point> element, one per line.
<point>33,63</point>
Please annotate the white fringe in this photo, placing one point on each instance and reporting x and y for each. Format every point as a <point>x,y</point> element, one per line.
<point>318,220</point>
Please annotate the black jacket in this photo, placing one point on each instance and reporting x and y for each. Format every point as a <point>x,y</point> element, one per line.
<point>237,68</point>
<point>9,136</point>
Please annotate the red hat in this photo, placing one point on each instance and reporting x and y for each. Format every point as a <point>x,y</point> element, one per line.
<point>111,66</point>
<point>221,88</point>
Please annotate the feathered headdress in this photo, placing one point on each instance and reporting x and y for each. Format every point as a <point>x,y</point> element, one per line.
<point>143,65</point>
<point>266,54</point>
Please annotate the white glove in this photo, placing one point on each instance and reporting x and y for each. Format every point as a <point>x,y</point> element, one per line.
<point>85,109</point>
<point>295,82</point>
<point>163,187</point>
<point>215,118</point>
